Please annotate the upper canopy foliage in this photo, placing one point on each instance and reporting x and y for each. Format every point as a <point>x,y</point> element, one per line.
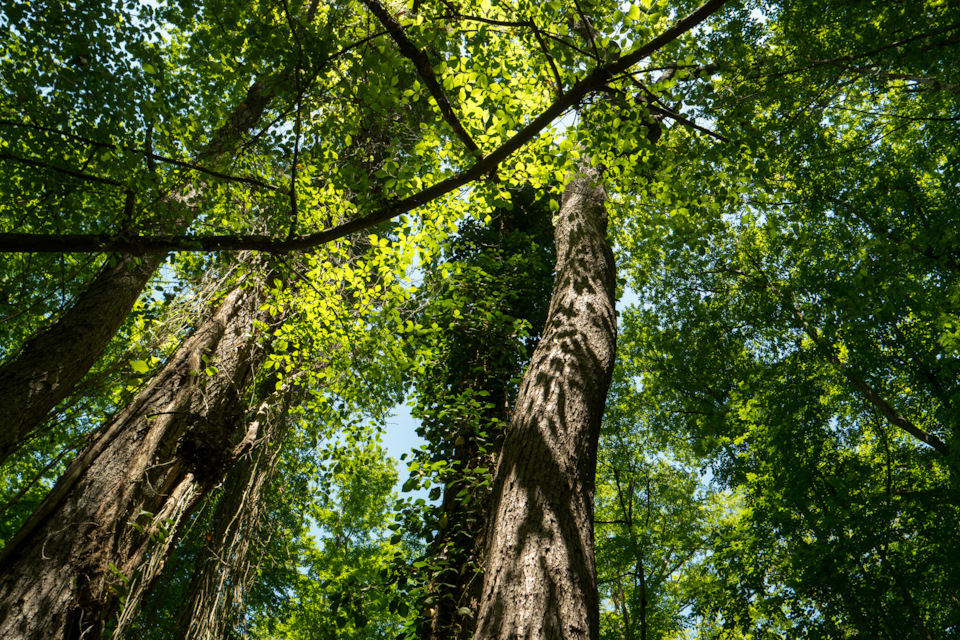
<point>784,181</point>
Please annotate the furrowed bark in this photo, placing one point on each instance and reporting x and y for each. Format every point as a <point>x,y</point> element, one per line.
<point>540,580</point>
<point>112,518</point>
<point>50,365</point>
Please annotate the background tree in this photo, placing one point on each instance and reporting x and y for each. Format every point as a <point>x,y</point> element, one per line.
<point>341,593</point>
<point>798,340</point>
<point>656,512</point>
<point>785,134</point>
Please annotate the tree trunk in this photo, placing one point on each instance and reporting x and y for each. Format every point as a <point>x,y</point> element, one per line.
<point>234,546</point>
<point>123,500</point>
<point>50,365</point>
<point>540,579</point>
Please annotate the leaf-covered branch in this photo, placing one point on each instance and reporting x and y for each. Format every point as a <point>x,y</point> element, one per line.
<point>421,61</point>
<point>596,80</point>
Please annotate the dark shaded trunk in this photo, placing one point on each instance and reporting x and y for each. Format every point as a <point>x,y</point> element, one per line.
<point>540,580</point>
<point>465,408</point>
<point>234,543</point>
<point>459,548</point>
<point>111,520</point>
<point>50,365</point>
<point>643,601</point>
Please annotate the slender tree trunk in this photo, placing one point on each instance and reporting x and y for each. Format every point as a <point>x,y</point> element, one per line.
<point>123,500</point>
<point>624,609</point>
<point>540,580</point>
<point>643,600</point>
<point>50,365</point>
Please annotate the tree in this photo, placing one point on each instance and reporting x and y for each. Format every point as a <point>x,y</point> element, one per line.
<point>795,340</point>
<point>540,578</point>
<point>484,308</point>
<point>47,368</point>
<point>176,438</point>
<point>341,593</point>
<point>656,512</point>
<point>803,394</point>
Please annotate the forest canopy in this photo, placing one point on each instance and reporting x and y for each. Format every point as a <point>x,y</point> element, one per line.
<point>671,289</point>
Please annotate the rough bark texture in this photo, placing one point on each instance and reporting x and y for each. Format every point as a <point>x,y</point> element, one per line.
<point>46,370</point>
<point>48,367</point>
<point>540,580</point>
<point>235,542</point>
<point>61,575</point>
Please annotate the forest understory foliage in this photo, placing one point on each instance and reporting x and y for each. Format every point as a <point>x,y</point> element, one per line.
<point>235,236</point>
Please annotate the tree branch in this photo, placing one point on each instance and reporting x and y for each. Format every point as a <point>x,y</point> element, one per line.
<point>140,245</point>
<point>70,172</point>
<point>859,384</point>
<point>422,64</point>
<point>546,54</point>
<point>689,123</point>
<point>148,154</point>
<point>947,259</point>
<point>932,83</point>
<point>294,207</point>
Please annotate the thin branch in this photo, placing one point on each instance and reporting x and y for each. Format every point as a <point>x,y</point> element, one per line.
<point>39,476</point>
<point>149,155</point>
<point>421,61</point>
<point>297,125</point>
<point>697,71</point>
<point>546,54</point>
<point>894,116</point>
<point>860,385</point>
<point>676,116</point>
<point>588,31</point>
<point>70,172</point>
<point>856,56</point>
<point>524,23</point>
<point>933,83</point>
<point>948,258</point>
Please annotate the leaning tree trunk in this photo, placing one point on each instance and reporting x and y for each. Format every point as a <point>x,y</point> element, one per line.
<point>50,365</point>
<point>235,544</point>
<point>110,521</point>
<point>540,580</point>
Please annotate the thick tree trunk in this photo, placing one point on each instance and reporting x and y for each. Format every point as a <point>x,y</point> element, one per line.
<point>540,580</point>
<point>48,367</point>
<point>124,498</point>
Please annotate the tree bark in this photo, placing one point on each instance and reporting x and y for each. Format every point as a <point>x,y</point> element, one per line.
<point>234,544</point>
<point>540,579</point>
<point>112,518</point>
<point>50,365</point>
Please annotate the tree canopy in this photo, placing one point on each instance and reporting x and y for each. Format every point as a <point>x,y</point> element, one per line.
<point>235,235</point>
